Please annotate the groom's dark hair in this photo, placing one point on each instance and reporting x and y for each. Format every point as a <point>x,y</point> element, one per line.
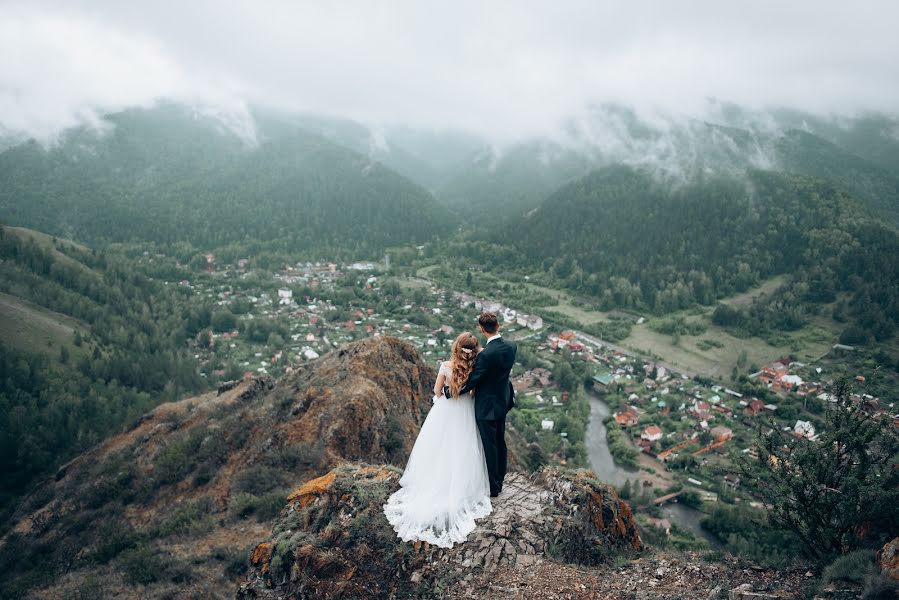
<point>488,322</point>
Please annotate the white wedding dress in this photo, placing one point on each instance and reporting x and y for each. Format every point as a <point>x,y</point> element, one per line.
<point>444,487</point>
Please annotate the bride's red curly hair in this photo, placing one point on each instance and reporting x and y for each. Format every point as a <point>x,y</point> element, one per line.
<point>465,350</point>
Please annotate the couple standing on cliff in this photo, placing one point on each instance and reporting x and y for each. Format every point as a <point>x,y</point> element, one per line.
<point>458,461</point>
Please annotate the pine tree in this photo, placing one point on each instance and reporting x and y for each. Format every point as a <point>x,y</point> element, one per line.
<point>836,493</point>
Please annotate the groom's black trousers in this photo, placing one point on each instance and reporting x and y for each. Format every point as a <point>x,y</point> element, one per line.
<point>493,437</point>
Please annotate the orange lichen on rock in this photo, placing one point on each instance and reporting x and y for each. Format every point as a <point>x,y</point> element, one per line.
<point>312,489</point>
<point>376,473</point>
<point>261,556</point>
<point>595,507</point>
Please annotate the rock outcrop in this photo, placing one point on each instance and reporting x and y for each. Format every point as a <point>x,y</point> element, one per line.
<point>193,483</point>
<point>333,541</point>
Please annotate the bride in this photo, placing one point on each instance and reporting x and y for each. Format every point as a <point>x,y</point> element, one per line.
<point>444,487</point>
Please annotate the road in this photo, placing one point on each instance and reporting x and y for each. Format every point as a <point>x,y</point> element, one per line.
<point>585,337</point>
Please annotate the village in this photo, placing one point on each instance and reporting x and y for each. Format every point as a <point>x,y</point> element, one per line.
<point>679,433</point>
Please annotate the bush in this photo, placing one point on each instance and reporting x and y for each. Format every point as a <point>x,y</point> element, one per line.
<point>143,565</point>
<point>235,561</point>
<point>301,456</point>
<point>264,508</point>
<point>258,480</point>
<point>678,326</point>
<point>849,567</point>
<point>190,519</point>
<point>115,537</point>
<point>879,587</point>
<point>89,589</point>
<point>179,456</point>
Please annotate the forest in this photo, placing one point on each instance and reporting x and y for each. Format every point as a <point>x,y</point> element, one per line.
<point>626,240</point>
<point>161,176</point>
<point>130,355</point>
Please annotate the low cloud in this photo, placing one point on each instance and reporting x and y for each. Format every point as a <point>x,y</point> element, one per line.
<point>503,70</point>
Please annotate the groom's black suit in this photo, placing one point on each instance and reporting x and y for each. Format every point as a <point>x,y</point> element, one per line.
<point>494,397</point>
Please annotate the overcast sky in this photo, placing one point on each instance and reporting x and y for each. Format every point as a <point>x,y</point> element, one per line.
<point>504,69</point>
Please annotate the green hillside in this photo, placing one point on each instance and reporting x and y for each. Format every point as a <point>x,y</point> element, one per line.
<point>631,240</point>
<point>167,175</point>
<point>87,343</point>
<point>808,154</point>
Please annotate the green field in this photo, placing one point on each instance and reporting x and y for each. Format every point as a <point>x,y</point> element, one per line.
<point>716,352</point>
<point>565,303</point>
<point>31,328</point>
<point>716,362</point>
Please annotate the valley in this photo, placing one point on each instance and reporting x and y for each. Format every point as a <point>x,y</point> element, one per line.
<point>190,322</point>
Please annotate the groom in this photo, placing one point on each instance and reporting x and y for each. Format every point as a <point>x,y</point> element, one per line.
<point>494,397</point>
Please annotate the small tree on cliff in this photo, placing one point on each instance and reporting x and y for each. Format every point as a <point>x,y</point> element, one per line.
<point>836,493</point>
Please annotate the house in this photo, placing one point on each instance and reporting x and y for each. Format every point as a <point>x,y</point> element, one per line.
<point>568,336</point>
<point>627,417</point>
<point>546,425</point>
<point>543,376</point>
<point>804,429</point>
<point>722,433</point>
<point>731,481</point>
<point>530,321</point>
<point>701,410</point>
<point>756,407</point>
<point>773,372</point>
<point>651,434</point>
<point>576,347</point>
<point>285,296</point>
<point>722,408</point>
<point>602,379</point>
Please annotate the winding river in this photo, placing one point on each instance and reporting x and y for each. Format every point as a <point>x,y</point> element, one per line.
<point>604,466</point>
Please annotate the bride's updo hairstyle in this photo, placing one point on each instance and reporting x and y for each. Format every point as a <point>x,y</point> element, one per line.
<point>465,350</point>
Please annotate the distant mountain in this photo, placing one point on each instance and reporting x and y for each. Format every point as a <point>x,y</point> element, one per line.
<point>728,142</point>
<point>168,174</point>
<point>630,239</point>
<point>422,156</point>
<point>802,152</point>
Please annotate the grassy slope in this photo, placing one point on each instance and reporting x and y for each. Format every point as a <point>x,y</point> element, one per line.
<point>32,328</point>
<point>28,327</point>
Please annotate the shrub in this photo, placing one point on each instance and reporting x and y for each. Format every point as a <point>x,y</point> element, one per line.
<point>190,519</point>
<point>849,567</point>
<point>114,538</point>
<point>258,480</point>
<point>143,565</point>
<point>179,456</point>
<point>235,561</point>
